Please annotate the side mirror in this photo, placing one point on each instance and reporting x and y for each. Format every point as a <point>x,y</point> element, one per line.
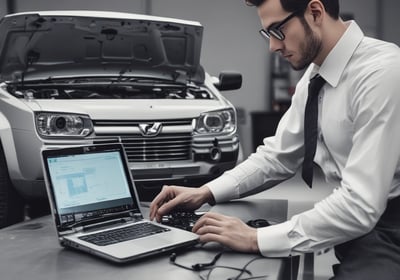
<point>229,81</point>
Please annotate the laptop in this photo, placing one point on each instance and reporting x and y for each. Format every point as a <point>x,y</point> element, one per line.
<point>95,205</point>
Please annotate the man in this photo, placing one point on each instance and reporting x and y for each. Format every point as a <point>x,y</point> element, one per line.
<point>357,149</point>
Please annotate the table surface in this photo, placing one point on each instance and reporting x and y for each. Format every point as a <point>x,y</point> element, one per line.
<point>30,250</point>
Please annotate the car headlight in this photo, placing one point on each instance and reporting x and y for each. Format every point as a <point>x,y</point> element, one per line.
<point>58,124</point>
<point>223,121</point>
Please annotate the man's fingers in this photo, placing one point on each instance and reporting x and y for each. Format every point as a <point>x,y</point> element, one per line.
<point>209,219</point>
<point>167,207</point>
<point>159,201</point>
<point>209,229</point>
<point>212,237</point>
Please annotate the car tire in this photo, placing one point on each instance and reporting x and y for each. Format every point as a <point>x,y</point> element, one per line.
<point>12,206</point>
<point>37,208</point>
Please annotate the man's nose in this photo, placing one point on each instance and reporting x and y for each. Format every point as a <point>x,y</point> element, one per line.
<point>275,45</point>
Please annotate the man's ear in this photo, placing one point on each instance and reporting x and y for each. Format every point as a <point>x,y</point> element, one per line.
<point>316,10</point>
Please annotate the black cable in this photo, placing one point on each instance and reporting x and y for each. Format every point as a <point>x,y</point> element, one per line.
<point>245,268</point>
<point>210,266</point>
<point>205,266</point>
<point>197,266</point>
<point>226,267</point>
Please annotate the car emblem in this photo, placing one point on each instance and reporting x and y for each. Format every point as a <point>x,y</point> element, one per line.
<point>150,129</point>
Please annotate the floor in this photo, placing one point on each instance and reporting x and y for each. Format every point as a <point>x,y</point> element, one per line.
<point>302,198</point>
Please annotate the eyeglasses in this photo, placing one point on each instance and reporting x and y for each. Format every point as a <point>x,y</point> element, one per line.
<point>275,29</point>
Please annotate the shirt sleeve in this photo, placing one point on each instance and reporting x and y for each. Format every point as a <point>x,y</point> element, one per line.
<point>366,179</point>
<point>273,162</point>
<point>358,201</point>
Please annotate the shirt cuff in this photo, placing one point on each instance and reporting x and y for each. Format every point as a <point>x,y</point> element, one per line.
<point>274,240</point>
<point>222,190</point>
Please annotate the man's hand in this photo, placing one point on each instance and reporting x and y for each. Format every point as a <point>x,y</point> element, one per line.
<point>229,231</point>
<point>172,197</point>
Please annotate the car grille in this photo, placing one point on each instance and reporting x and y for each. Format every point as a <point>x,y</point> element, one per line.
<point>158,149</point>
<point>166,146</point>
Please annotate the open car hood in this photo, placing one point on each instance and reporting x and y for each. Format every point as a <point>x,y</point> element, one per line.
<point>51,44</point>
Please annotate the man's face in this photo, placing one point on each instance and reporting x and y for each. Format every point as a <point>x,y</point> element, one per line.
<point>308,49</point>
<point>300,45</point>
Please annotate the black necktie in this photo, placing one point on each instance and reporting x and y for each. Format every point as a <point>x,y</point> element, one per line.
<point>311,127</point>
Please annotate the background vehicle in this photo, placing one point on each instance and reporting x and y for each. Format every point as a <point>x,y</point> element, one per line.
<point>80,77</point>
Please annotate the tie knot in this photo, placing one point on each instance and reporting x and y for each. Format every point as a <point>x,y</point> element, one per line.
<point>316,83</point>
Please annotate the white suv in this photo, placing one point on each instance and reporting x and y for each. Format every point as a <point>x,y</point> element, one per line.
<point>81,77</point>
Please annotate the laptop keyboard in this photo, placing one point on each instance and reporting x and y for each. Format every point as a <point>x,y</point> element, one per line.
<point>123,234</point>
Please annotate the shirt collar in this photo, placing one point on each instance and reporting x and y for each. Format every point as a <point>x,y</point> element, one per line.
<point>334,64</point>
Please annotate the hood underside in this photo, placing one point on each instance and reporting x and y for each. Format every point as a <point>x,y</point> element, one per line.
<point>43,45</point>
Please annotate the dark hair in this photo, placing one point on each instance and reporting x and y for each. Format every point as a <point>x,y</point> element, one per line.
<point>299,6</point>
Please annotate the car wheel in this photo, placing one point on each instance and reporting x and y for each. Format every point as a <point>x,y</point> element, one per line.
<point>11,203</point>
<point>37,208</point>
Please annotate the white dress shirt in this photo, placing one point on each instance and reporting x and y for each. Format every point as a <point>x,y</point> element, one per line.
<point>358,148</point>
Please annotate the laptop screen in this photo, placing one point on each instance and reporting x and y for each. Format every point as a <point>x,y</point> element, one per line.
<point>89,185</point>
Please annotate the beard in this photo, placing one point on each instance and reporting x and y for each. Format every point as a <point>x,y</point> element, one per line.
<point>309,49</point>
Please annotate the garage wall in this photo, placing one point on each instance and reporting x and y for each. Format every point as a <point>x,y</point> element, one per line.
<point>3,7</point>
<point>365,15</point>
<point>115,5</point>
<point>390,20</point>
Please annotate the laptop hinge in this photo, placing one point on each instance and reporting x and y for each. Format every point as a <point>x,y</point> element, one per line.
<point>104,221</point>
<point>101,225</point>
